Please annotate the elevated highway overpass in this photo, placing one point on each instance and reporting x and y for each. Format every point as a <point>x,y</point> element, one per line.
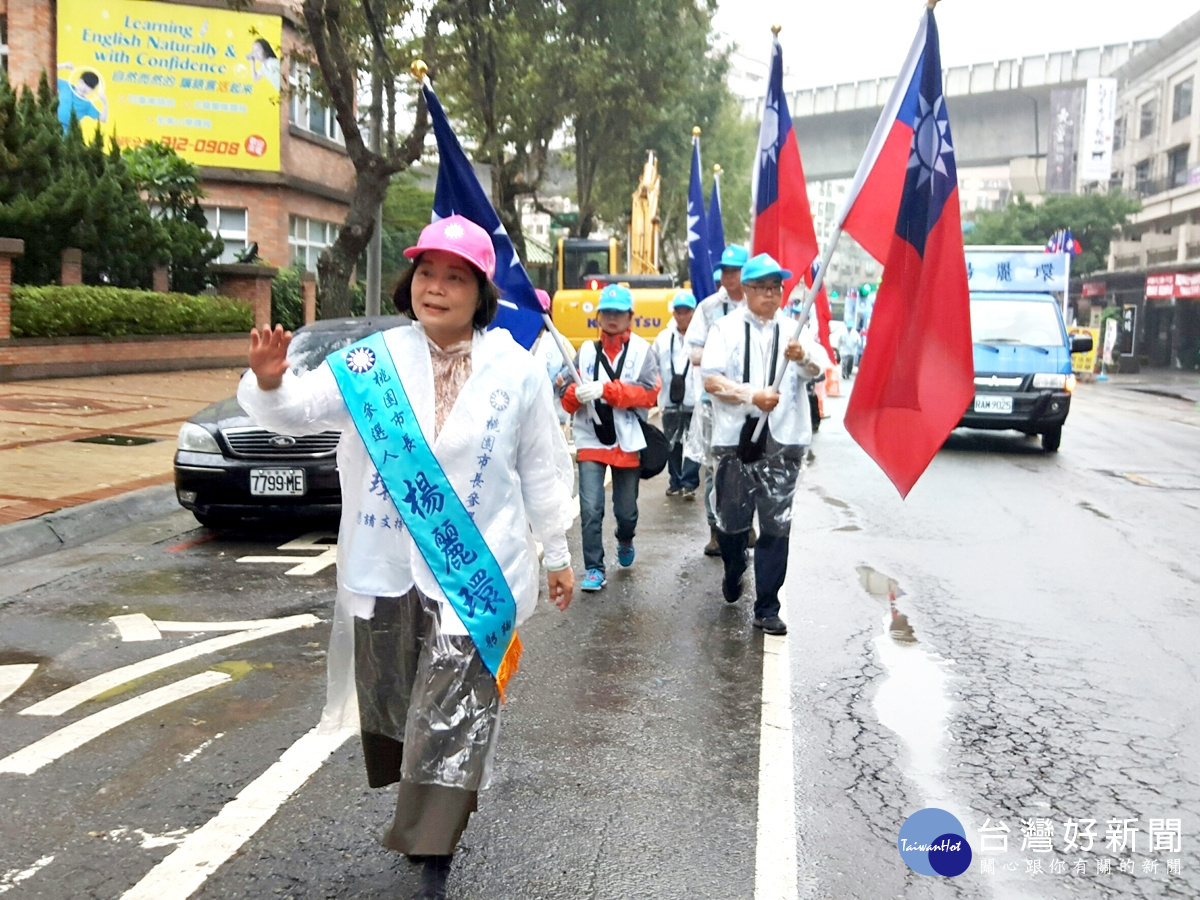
<point>999,111</point>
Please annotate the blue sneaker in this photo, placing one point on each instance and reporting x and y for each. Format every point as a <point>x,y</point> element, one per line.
<point>625,554</point>
<point>593,580</point>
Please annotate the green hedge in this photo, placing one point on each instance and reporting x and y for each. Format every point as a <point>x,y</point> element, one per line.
<point>86,310</point>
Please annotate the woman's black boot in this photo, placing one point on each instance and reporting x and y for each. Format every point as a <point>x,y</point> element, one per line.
<point>434,875</point>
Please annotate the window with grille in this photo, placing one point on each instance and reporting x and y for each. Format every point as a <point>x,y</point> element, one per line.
<point>305,109</point>
<point>1181,106</point>
<point>307,238</point>
<point>1148,115</point>
<point>232,225</point>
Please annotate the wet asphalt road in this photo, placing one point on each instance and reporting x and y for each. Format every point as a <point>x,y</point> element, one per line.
<point>1016,640</point>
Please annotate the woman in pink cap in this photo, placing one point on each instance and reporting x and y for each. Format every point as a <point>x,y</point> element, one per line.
<point>449,455</point>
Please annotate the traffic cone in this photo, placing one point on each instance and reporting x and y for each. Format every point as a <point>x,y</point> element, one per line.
<point>833,381</point>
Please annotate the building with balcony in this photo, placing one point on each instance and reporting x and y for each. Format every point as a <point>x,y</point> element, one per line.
<point>1156,157</point>
<point>207,80</point>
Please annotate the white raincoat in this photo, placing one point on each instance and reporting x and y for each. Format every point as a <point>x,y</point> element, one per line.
<point>525,481</point>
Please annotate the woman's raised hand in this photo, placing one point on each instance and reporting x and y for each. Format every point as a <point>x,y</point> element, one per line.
<point>268,356</point>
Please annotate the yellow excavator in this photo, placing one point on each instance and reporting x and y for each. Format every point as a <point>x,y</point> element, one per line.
<point>586,266</point>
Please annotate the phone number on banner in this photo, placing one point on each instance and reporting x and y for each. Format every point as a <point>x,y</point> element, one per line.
<point>255,145</point>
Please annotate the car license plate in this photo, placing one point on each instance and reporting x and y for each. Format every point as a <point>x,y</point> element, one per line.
<point>277,482</point>
<point>985,404</point>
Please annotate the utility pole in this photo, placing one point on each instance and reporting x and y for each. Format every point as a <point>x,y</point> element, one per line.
<point>375,247</point>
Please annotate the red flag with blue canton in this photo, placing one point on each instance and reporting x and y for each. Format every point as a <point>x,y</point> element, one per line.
<point>458,191</point>
<point>783,225</point>
<point>917,377</point>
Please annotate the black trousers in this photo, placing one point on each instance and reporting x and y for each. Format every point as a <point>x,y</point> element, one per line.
<point>770,567</point>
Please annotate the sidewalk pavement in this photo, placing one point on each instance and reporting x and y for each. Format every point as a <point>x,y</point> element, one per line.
<point>44,466</point>
<point>1160,382</point>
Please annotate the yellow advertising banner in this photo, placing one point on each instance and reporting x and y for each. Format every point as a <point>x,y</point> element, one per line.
<point>200,80</point>
<point>1085,362</point>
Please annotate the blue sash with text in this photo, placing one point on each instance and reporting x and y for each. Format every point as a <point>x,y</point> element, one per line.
<point>433,513</point>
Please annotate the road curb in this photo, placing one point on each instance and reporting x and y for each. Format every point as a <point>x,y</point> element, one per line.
<point>78,524</point>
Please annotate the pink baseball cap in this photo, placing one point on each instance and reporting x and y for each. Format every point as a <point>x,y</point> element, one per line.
<point>460,236</point>
<point>543,298</point>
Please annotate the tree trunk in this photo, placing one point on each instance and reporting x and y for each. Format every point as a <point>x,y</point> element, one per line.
<point>336,265</point>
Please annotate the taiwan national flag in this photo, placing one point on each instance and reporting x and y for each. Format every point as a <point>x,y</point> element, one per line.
<point>458,191</point>
<point>700,263</point>
<point>783,224</point>
<point>916,377</point>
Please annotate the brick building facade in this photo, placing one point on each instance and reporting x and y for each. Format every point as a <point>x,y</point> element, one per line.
<point>291,214</point>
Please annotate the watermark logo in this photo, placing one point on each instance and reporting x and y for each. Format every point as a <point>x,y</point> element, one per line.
<point>934,842</point>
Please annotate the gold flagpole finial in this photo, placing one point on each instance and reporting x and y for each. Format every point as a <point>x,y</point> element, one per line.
<point>716,168</point>
<point>695,131</point>
<point>931,4</point>
<point>419,69</point>
<point>775,29</point>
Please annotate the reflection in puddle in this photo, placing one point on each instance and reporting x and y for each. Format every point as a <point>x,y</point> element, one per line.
<point>912,700</point>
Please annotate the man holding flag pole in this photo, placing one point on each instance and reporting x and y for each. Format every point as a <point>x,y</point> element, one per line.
<point>916,375</point>
<point>747,368</point>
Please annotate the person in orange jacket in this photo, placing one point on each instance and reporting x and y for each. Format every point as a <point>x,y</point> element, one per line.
<point>620,381</point>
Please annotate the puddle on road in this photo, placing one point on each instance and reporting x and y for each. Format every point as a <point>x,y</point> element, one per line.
<point>912,700</point>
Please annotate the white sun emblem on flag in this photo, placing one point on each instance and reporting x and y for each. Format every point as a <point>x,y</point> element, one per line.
<point>360,359</point>
<point>931,141</point>
<point>454,231</point>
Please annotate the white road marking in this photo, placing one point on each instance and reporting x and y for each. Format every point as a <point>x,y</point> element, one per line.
<point>136,627</point>
<point>57,704</point>
<point>188,757</point>
<point>13,676</point>
<point>10,880</point>
<point>204,851</point>
<point>306,565</point>
<point>323,542</point>
<point>775,858</point>
<point>192,627</point>
<point>29,759</point>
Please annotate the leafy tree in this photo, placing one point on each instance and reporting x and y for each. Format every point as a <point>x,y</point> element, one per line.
<point>502,75</point>
<point>1094,220</point>
<point>347,38</point>
<point>406,210</point>
<point>58,190</point>
<point>171,184</point>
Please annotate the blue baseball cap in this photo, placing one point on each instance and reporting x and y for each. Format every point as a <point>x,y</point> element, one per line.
<point>763,266</point>
<point>615,298</point>
<point>683,298</point>
<point>733,257</point>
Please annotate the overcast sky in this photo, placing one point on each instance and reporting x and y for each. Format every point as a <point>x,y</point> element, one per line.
<point>831,41</point>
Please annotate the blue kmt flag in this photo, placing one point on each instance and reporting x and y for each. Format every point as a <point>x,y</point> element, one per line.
<point>716,229</point>
<point>459,192</point>
<point>700,263</point>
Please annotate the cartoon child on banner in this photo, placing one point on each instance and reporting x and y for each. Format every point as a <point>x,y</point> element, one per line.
<point>264,63</point>
<point>82,93</point>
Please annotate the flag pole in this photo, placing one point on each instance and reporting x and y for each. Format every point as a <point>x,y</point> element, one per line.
<point>569,359</point>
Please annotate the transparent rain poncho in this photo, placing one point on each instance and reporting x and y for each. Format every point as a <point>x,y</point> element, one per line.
<point>444,709</point>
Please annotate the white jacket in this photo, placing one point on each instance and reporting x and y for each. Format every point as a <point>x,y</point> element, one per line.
<point>680,361</point>
<point>526,480</point>
<point>640,368</point>
<point>724,354</point>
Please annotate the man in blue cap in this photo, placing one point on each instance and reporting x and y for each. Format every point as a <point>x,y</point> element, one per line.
<point>727,298</point>
<point>620,379</point>
<point>677,396</point>
<point>742,357</point>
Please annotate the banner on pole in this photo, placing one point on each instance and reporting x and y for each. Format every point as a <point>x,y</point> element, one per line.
<point>1099,115</point>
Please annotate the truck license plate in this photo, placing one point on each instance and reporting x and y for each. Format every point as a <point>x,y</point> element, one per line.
<point>986,404</point>
<point>277,482</point>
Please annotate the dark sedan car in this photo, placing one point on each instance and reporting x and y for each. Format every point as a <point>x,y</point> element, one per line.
<point>228,469</point>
